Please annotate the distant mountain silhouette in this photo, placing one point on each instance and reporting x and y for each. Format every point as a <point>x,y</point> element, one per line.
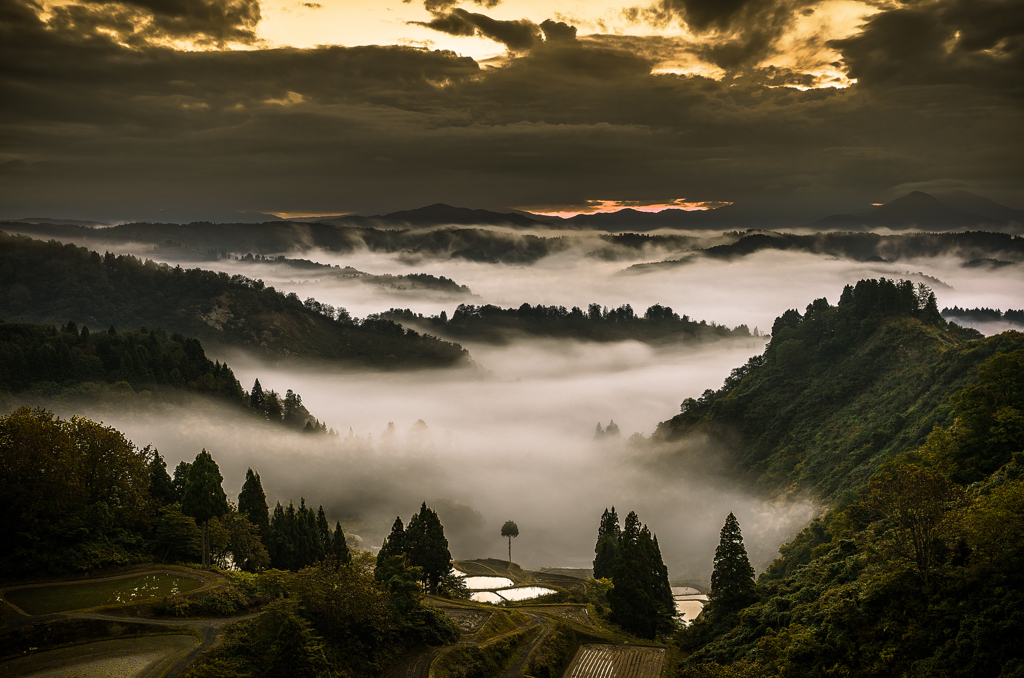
<point>924,211</point>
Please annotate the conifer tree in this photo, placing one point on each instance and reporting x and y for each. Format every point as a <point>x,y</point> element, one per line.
<point>427,547</point>
<point>641,598</point>
<point>607,544</point>
<point>257,401</point>
<point>324,530</point>
<point>391,551</point>
<point>339,547</point>
<point>204,496</point>
<point>732,582</point>
<point>161,487</point>
<point>252,503</point>
<point>180,479</point>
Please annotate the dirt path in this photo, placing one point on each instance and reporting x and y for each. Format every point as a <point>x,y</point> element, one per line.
<point>516,670</point>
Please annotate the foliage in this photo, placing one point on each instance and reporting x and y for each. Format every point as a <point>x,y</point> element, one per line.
<point>73,493</point>
<point>324,620</point>
<point>659,324</point>
<point>607,544</point>
<point>916,572</point>
<point>510,530</point>
<point>732,581</point>
<point>56,281</point>
<point>426,547</point>
<point>252,500</point>
<point>641,598</point>
<point>839,390</point>
<point>295,540</point>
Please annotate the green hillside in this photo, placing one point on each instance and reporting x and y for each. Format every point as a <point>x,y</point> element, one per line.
<point>48,282</point>
<point>839,390</point>
<point>914,432</point>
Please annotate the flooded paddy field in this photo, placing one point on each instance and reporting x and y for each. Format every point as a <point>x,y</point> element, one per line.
<point>63,597</point>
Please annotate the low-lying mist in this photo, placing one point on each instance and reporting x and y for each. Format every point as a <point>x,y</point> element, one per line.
<point>515,441</point>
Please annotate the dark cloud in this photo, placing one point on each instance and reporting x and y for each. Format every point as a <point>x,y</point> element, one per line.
<point>518,35</point>
<point>739,33</point>
<point>437,7</point>
<point>979,42</point>
<point>93,129</point>
<point>557,30</point>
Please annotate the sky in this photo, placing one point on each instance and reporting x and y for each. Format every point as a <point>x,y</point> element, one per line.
<point>173,110</point>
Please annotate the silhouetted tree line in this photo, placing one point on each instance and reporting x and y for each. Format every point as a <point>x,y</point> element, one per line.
<point>984,314</point>
<point>595,323</point>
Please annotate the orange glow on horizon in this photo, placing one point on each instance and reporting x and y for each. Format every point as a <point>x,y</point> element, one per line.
<point>610,206</point>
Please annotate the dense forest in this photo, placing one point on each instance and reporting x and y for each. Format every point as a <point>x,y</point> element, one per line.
<point>50,282</point>
<point>658,325</point>
<point>912,428</point>
<point>984,314</point>
<point>129,368</point>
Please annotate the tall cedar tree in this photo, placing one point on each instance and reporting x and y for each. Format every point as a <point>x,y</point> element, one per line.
<point>257,401</point>
<point>252,502</point>
<point>427,547</point>
<point>732,582</point>
<point>641,599</point>
<point>161,487</point>
<point>607,544</point>
<point>204,496</point>
<point>339,547</point>
<point>391,552</point>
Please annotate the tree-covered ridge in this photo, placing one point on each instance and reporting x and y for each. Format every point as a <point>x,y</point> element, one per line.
<point>840,389</point>
<point>46,363</point>
<point>475,244</point>
<point>919,571</point>
<point>50,282</point>
<point>659,324</point>
<point>984,314</point>
<point>970,246</point>
<point>43,358</point>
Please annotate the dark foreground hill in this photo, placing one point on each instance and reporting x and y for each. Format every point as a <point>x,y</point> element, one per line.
<point>47,282</point>
<point>912,429</point>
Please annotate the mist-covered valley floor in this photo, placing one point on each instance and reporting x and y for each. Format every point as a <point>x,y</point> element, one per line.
<point>513,436</point>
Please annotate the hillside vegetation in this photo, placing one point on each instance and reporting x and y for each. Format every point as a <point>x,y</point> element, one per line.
<point>840,389</point>
<point>493,324</point>
<point>914,430</point>
<point>50,282</point>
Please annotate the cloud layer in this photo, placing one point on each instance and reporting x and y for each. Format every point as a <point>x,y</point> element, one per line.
<point>103,119</point>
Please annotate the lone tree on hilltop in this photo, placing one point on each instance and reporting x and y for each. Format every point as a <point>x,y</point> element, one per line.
<point>732,582</point>
<point>510,530</point>
<point>204,497</point>
<point>607,544</point>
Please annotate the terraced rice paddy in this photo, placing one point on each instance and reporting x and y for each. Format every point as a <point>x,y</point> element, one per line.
<point>524,592</point>
<point>616,661</point>
<point>78,596</point>
<point>128,658</point>
<point>479,583</point>
<point>689,602</point>
<point>486,597</point>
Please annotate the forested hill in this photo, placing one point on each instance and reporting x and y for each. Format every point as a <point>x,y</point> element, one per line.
<point>658,325</point>
<point>840,389</point>
<point>49,282</point>
<point>917,569</point>
<point>39,363</point>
